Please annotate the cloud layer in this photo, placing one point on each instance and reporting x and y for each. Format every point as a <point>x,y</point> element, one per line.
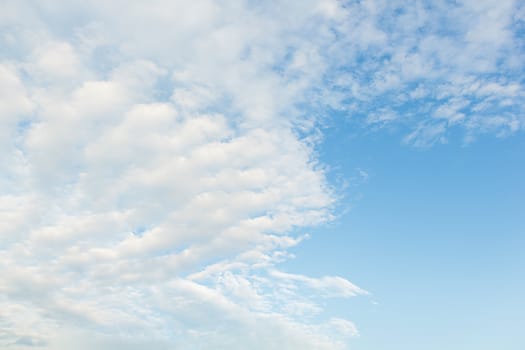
<point>158,160</point>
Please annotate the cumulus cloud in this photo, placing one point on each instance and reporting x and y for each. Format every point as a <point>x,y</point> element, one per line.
<point>155,176</point>
<point>158,160</point>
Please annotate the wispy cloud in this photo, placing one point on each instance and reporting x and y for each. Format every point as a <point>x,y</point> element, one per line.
<point>433,67</point>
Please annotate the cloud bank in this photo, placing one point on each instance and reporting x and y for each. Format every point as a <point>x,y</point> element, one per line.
<point>158,159</point>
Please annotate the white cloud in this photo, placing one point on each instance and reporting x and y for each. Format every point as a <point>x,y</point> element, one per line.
<point>429,58</point>
<point>158,176</point>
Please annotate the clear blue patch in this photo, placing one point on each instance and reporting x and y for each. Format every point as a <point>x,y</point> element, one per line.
<point>140,230</point>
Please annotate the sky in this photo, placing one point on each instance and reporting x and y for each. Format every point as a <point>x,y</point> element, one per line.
<point>233,174</point>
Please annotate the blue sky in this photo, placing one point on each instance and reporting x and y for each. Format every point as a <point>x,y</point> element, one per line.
<point>435,235</point>
<point>303,174</point>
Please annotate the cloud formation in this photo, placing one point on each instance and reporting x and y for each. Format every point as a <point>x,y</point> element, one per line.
<point>433,68</point>
<point>158,160</point>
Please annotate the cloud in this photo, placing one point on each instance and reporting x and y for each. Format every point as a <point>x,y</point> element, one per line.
<point>159,163</point>
<point>437,68</point>
<point>155,176</point>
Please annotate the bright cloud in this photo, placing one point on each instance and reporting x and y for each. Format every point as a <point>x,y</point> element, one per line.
<point>158,160</point>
